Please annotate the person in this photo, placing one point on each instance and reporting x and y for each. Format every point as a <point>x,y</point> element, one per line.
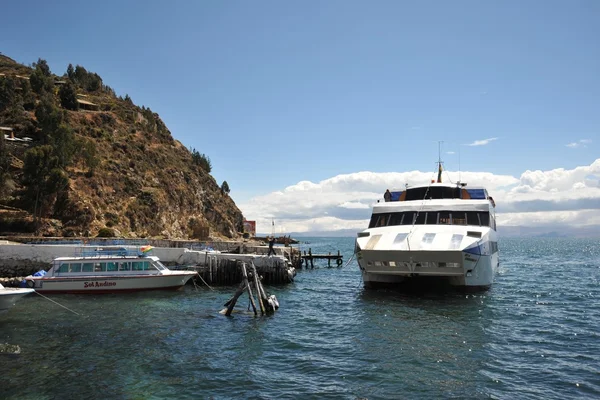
<point>271,243</point>
<point>387,196</point>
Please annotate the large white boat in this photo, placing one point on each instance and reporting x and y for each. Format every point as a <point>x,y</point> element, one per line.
<point>9,296</point>
<point>112,271</point>
<point>429,236</point>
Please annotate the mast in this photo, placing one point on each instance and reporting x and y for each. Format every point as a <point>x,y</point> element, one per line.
<point>439,178</point>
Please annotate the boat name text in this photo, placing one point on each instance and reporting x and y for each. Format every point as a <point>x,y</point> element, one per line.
<point>98,284</point>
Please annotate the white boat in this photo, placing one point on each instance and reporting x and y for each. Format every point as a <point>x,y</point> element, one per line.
<point>432,235</point>
<point>9,296</point>
<point>113,271</point>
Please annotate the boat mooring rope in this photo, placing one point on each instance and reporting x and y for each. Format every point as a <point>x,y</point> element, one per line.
<point>350,259</point>
<point>57,303</point>
<point>202,279</point>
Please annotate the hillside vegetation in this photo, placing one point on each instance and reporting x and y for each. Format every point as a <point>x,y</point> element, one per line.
<point>80,161</point>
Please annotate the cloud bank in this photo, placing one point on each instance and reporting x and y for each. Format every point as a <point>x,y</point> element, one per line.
<point>343,202</point>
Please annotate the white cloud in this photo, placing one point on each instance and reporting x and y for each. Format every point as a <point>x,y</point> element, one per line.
<point>450,152</point>
<point>580,143</point>
<point>482,142</point>
<point>570,196</point>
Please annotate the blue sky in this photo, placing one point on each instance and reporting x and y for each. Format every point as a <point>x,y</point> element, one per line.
<point>277,93</point>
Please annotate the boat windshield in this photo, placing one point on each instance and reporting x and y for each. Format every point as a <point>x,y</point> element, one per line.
<point>159,266</point>
<point>476,218</point>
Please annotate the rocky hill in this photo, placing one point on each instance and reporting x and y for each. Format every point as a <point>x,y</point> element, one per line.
<point>77,160</point>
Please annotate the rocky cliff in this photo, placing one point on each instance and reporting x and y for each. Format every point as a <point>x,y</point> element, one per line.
<point>77,160</point>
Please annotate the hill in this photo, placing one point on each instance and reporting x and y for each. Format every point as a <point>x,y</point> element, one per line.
<point>78,160</point>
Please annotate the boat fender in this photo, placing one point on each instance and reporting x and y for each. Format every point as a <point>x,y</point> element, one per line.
<point>30,284</point>
<point>339,261</point>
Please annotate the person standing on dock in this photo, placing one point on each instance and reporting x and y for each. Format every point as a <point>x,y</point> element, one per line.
<point>271,243</point>
<point>387,196</point>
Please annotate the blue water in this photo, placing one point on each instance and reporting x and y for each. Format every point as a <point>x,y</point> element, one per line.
<point>534,335</point>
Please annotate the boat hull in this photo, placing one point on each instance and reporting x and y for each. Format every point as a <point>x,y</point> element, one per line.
<point>9,296</point>
<point>112,284</point>
<point>427,269</point>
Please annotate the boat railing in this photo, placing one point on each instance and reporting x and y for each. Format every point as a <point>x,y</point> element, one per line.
<point>110,252</point>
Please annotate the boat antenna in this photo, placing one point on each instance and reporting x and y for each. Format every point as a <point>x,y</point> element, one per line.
<point>439,178</point>
<point>459,181</point>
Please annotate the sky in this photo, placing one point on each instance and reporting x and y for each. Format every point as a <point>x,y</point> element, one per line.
<point>311,109</point>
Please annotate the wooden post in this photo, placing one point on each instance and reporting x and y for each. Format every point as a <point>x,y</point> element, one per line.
<point>259,290</point>
<point>250,297</point>
<point>231,303</point>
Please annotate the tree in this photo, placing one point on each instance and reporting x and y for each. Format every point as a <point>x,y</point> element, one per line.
<point>89,154</point>
<point>225,187</point>
<point>63,145</point>
<point>7,93</point>
<point>41,78</point>
<point>38,165</point>
<point>70,72</point>
<point>4,166</point>
<point>68,96</point>
<point>42,66</point>
<point>49,116</point>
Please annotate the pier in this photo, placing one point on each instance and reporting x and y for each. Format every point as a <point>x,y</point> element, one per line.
<point>308,258</point>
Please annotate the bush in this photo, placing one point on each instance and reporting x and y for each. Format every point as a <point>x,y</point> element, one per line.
<point>106,233</point>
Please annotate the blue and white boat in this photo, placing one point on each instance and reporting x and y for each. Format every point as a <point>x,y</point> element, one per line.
<point>429,235</point>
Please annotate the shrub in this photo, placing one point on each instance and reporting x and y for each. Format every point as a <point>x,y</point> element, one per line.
<point>106,232</point>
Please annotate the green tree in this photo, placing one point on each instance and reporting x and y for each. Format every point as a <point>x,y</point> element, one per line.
<point>43,67</point>
<point>68,96</point>
<point>225,187</point>
<point>63,144</point>
<point>8,94</point>
<point>4,167</point>
<point>89,153</point>
<point>41,78</point>
<point>38,165</point>
<point>49,117</point>
<point>70,72</point>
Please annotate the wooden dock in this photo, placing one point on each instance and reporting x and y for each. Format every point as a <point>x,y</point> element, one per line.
<point>309,258</point>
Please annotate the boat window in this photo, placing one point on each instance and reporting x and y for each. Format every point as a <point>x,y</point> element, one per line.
<point>456,239</point>
<point>111,266</point>
<point>444,218</point>
<point>400,237</point>
<point>124,266</point>
<point>99,267</point>
<point>395,219</point>
<point>87,267</point>
<point>459,218</point>
<point>420,219</point>
<point>428,238</point>
<point>431,218</point>
<point>158,265</point>
<point>472,218</point>
<point>75,267</point>
<point>373,221</point>
<point>63,268</point>
<point>378,220</point>
<point>137,266</point>
<point>484,217</point>
<point>408,218</point>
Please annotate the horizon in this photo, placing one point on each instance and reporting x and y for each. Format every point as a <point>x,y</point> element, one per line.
<point>311,110</point>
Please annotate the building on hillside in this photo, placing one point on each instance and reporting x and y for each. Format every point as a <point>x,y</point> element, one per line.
<point>87,105</point>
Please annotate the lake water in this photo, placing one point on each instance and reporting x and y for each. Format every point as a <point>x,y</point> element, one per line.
<point>534,335</point>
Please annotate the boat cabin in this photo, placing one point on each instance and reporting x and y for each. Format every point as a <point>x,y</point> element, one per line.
<point>86,266</point>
